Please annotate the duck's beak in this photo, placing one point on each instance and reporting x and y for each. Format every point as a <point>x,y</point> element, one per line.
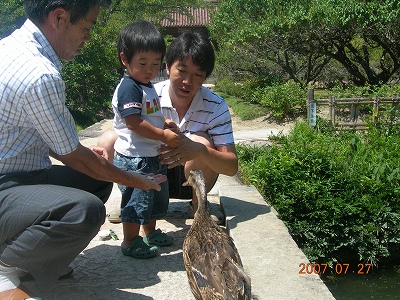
<point>186,183</point>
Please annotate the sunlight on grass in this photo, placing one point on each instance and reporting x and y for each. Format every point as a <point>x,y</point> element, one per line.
<point>243,109</point>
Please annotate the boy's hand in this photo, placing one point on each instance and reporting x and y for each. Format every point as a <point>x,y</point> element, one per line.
<point>169,124</point>
<point>172,138</point>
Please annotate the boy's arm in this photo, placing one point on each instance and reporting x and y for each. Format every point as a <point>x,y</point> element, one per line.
<point>145,129</point>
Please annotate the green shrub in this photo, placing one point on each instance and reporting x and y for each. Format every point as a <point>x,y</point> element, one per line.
<point>336,192</point>
<point>244,110</point>
<point>91,79</point>
<point>283,100</point>
<point>230,87</point>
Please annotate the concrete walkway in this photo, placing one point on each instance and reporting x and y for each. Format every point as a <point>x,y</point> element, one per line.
<point>269,254</point>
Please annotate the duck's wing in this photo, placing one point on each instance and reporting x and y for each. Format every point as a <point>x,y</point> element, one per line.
<point>191,249</point>
<point>237,282</point>
<point>226,245</point>
<point>214,267</point>
<point>197,264</point>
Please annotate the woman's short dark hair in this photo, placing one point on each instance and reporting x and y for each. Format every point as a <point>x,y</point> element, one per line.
<point>194,45</point>
<point>39,9</point>
<point>140,36</point>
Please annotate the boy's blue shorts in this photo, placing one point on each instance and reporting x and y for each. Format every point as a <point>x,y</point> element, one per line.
<point>139,206</point>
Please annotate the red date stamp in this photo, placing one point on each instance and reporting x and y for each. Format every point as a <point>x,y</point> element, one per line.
<point>337,269</point>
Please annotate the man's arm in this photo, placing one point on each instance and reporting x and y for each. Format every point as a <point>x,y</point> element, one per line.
<point>93,164</point>
<point>220,159</point>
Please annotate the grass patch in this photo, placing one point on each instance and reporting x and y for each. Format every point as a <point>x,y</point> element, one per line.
<point>244,110</point>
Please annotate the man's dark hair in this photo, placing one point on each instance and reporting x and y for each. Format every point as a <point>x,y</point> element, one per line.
<point>140,36</point>
<point>194,45</point>
<point>38,10</point>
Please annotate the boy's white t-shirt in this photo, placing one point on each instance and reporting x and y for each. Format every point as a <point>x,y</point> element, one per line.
<point>132,97</point>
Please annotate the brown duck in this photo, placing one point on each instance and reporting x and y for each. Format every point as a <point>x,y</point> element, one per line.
<point>212,262</point>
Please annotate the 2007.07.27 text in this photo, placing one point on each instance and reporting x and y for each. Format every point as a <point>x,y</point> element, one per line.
<point>338,269</point>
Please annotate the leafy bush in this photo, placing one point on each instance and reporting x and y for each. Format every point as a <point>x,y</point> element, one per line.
<point>230,87</point>
<point>336,192</point>
<point>385,90</point>
<point>281,99</point>
<point>244,110</point>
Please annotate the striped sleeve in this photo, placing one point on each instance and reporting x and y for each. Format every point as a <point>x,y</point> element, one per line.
<point>220,122</point>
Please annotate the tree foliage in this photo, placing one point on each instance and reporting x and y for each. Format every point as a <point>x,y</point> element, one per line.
<point>92,76</point>
<point>301,37</point>
<point>12,15</point>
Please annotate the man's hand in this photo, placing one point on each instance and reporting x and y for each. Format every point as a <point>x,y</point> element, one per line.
<point>147,182</point>
<point>187,150</point>
<point>100,151</point>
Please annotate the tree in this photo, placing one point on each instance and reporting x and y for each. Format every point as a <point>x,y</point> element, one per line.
<point>12,15</point>
<point>301,37</point>
<point>92,76</point>
<point>363,36</point>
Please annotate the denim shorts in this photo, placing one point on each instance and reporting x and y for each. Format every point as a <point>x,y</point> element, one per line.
<point>139,206</point>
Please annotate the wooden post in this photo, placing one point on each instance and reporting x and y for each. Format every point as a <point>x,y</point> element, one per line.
<point>332,109</point>
<point>376,109</point>
<point>395,108</point>
<point>355,111</point>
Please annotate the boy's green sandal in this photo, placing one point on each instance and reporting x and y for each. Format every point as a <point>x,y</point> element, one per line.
<point>139,249</point>
<point>158,238</point>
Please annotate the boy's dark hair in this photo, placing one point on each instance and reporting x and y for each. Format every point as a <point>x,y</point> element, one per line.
<point>38,10</point>
<point>140,36</point>
<point>192,45</point>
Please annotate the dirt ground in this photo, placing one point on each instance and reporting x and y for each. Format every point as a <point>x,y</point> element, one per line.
<point>264,122</point>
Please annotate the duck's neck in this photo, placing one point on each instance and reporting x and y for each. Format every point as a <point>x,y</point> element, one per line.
<point>201,197</point>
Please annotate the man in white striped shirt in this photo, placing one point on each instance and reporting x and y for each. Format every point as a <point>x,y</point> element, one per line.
<point>202,116</point>
<point>48,214</point>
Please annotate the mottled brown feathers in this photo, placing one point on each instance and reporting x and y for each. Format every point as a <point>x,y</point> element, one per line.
<point>212,262</point>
